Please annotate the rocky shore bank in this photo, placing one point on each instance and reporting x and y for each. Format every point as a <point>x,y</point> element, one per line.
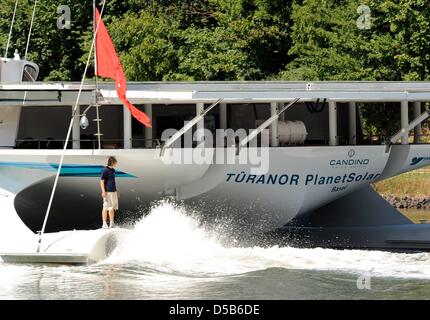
<point>409,202</point>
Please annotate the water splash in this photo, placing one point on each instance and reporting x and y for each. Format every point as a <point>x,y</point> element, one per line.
<point>170,241</point>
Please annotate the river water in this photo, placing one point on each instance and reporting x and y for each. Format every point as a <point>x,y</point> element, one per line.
<point>169,256</point>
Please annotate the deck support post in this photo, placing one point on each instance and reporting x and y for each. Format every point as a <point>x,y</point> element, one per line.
<point>334,140</point>
<point>200,137</point>
<point>418,129</point>
<point>274,133</point>
<point>223,115</point>
<point>405,121</point>
<point>127,128</point>
<point>148,131</point>
<point>352,123</point>
<point>76,131</point>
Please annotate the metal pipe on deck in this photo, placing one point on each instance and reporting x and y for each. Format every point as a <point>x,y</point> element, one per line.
<point>334,140</point>
<point>197,121</point>
<point>418,129</point>
<point>274,133</point>
<point>417,121</point>
<point>266,124</point>
<point>148,131</point>
<point>405,121</point>
<point>352,123</point>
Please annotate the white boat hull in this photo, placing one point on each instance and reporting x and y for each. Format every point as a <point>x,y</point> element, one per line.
<point>299,180</point>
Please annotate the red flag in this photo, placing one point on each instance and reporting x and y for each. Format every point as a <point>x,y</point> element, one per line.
<point>109,66</point>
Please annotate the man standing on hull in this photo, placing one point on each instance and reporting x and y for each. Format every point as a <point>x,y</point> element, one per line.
<point>109,193</point>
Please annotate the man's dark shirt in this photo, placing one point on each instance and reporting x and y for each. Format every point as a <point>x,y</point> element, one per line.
<point>108,175</point>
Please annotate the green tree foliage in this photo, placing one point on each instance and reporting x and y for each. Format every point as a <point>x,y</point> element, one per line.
<point>204,40</point>
<point>58,52</point>
<point>234,39</point>
<point>160,39</point>
<point>328,45</point>
<point>148,45</point>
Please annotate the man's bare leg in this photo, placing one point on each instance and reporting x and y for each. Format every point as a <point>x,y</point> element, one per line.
<point>111,217</point>
<point>104,216</point>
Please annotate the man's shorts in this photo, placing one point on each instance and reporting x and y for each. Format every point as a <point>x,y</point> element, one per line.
<point>111,201</point>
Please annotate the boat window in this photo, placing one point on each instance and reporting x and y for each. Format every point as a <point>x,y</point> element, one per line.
<point>30,73</point>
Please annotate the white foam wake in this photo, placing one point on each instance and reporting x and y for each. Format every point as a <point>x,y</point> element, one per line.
<point>169,240</point>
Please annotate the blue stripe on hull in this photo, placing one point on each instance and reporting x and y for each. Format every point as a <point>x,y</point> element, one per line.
<point>67,170</point>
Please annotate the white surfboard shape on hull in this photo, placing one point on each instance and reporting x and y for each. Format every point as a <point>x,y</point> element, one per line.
<point>71,247</point>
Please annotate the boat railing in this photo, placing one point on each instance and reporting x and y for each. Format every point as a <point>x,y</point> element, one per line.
<point>382,139</point>
<point>40,144</point>
<point>137,143</point>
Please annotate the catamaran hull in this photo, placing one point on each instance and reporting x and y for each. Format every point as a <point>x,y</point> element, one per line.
<point>299,180</point>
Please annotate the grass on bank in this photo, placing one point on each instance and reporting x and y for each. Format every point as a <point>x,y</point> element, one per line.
<point>416,215</point>
<point>411,184</point>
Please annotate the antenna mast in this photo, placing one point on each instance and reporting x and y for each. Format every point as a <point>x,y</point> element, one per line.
<point>31,28</point>
<point>10,31</point>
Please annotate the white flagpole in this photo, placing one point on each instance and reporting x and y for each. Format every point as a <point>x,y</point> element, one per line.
<point>97,79</point>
